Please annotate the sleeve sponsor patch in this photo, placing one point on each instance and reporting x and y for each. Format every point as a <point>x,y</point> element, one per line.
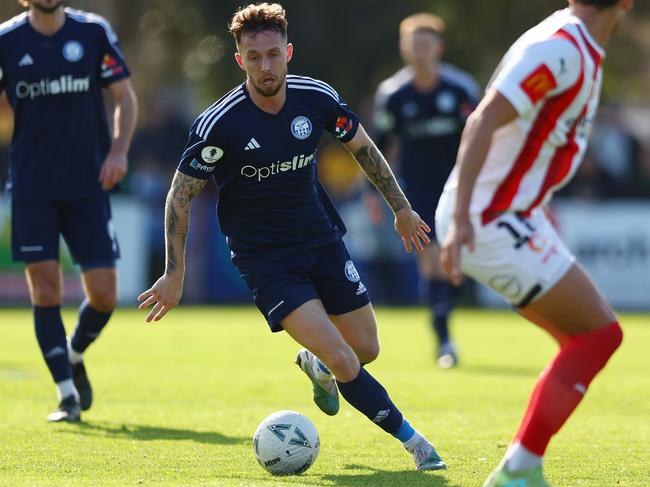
<point>539,83</point>
<point>342,127</point>
<point>110,66</point>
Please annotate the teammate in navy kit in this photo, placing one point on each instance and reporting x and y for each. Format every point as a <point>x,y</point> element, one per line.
<point>258,144</point>
<point>424,106</point>
<point>54,62</point>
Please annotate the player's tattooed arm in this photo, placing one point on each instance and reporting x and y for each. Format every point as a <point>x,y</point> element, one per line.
<point>408,223</point>
<point>377,170</point>
<point>177,218</point>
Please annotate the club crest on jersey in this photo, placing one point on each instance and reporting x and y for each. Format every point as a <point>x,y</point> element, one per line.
<point>73,51</point>
<point>351,272</point>
<point>301,127</point>
<point>446,102</point>
<point>211,154</point>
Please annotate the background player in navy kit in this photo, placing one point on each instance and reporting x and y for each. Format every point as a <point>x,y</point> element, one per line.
<point>258,142</point>
<point>54,63</point>
<point>425,106</point>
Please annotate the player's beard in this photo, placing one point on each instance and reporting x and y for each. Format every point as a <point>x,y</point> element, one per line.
<point>47,9</point>
<point>271,90</point>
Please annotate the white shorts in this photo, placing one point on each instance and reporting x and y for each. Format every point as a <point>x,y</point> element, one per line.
<point>520,258</point>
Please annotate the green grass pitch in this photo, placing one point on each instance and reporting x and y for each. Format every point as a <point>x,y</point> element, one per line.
<point>177,402</point>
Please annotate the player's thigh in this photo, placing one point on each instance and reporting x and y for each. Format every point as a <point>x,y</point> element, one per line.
<point>35,230</point>
<point>359,329</point>
<point>87,227</point>
<point>45,282</point>
<point>573,305</point>
<point>310,326</point>
<point>100,287</point>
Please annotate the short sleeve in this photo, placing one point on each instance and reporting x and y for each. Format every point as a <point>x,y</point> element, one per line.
<point>537,72</point>
<point>340,120</point>
<point>113,66</point>
<point>200,156</point>
<point>2,78</point>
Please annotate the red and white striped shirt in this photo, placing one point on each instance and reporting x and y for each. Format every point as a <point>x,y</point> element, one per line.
<point>552,76</point>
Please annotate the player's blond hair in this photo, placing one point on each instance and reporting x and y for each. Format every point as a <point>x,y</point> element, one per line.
<point>257,18</point>
<point>24,3</point>
<point>422,21</point>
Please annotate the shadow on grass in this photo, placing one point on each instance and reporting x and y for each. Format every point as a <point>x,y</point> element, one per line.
<point>500,370</point>
<point>378,478</point>
<point>154,433</point>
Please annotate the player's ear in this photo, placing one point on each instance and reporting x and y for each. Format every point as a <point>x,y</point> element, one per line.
<point>289,51</point>
<point>240,60</point>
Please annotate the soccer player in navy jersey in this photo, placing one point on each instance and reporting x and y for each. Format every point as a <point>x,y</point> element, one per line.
<point>54,62</point>
<point>258,144</point>
<point>424,107</point>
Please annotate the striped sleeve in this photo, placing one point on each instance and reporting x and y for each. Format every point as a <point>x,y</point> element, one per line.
<point>541,70</point>
<point>200,156</point>
<point>206,141</point>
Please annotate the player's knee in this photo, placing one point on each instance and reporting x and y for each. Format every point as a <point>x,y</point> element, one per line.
<point>103,300</point>
<point>342,361</point>
<point>369,352</point>
<point>45,291</point>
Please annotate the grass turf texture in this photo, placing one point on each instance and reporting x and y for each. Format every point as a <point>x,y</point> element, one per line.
<point>177,402</point>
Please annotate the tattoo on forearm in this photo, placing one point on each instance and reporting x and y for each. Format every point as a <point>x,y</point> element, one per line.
<point>378,172</point>
<point>177,215</point>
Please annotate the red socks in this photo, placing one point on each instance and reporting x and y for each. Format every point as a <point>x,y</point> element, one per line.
<point>563,383</point>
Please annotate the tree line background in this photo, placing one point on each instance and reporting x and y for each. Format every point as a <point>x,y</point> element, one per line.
<point>184,45</point>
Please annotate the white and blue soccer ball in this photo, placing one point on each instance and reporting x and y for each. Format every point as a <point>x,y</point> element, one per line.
<point>286,443</point>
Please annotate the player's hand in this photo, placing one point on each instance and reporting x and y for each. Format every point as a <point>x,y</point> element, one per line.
<point>164,295</point>
<point>412,229</point>
<point>460,233</point>
<point>113,170</point>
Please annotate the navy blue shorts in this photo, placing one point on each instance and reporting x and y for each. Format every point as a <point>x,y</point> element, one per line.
<point>326,273</point>
<point>84,223</point>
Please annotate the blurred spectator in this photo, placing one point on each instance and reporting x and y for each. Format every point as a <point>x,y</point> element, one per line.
<point>612,164</point>
<point>616,150</point>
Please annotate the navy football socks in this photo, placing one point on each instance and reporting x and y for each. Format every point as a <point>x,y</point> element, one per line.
<point>50,334</point>
<point>90,324</point>
<point>442,301</point>
<point>368,396</point>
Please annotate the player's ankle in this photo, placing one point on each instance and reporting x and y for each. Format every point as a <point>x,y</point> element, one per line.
<point>518,458</point>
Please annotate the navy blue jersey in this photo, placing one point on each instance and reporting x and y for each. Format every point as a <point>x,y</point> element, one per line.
<point>270,202</point>
<point>428,125</point>
<point>54,84</point>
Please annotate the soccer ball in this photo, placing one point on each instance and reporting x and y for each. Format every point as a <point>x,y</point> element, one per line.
<point>286,443</point>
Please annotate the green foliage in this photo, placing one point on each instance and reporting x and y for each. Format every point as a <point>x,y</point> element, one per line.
<point>353,45</point>
<point>177,403</point>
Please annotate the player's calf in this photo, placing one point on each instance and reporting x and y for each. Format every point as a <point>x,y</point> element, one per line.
<point>563,384</point>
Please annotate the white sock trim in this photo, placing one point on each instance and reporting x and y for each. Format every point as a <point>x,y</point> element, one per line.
<point>73,356</point>
<point>518,457</point>
<point>413,440</point>
<point>66,388</point>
